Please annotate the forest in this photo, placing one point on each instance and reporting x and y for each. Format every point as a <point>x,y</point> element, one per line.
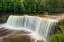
<point>31,6</point>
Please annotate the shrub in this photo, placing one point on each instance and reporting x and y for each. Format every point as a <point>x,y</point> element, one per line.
<point>40,41</point>
<point>59,36</point>
<point>60,26</point>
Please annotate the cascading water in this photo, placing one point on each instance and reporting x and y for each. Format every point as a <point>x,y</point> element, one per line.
<point>46,28</point>
<point>31,22</point>
<point>15,21</point>
<point>41,26</point>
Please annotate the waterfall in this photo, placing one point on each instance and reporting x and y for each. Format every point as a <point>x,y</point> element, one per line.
<point>31,22</point>
<point>41,26</point>
<point>15,21</point>
<point>46,28</point>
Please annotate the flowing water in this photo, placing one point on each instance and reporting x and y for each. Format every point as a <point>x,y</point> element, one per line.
<point>40,27</point>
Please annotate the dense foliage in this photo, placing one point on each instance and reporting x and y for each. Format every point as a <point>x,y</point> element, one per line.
<point>31,6</point>
<point>59,36</point>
